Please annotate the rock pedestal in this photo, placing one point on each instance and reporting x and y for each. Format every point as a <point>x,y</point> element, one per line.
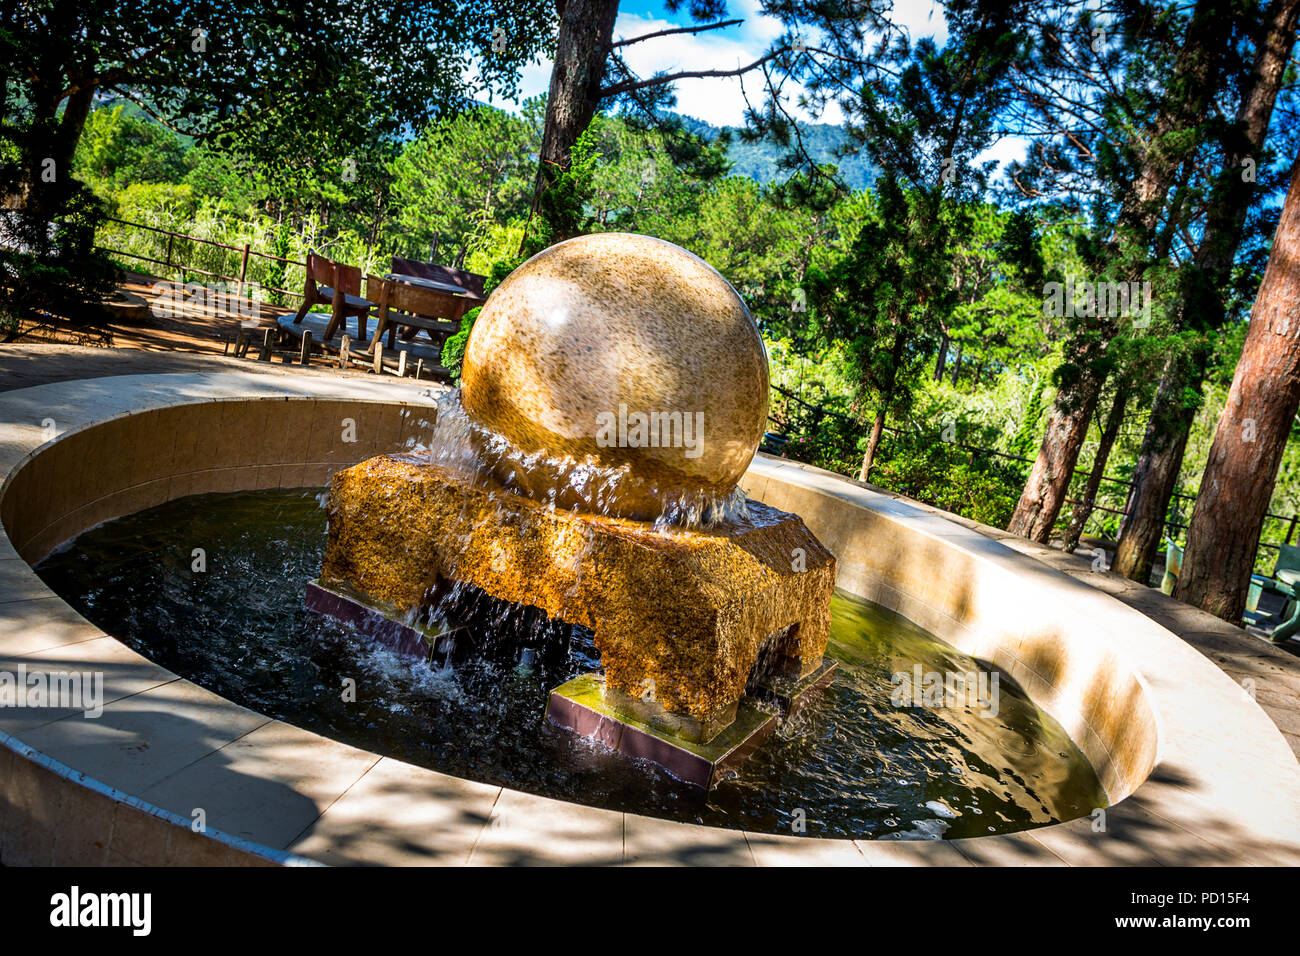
<point>684,620</point>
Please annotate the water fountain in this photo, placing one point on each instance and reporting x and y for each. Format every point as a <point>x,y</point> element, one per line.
<point>614,392</point>
<point>346,752</point>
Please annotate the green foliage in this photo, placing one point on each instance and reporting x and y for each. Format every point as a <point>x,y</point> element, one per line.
<point>164,205</point>
<point>233,182</point>
<point>564,209</point>
<point>925,467</point>
<point>118,150</point>
<point>462,175</point>
<point>453,350</point>
<point>277,271</point>
<point>496,252</point>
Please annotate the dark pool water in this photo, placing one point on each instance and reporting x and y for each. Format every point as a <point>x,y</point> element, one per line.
<point>851,765</point>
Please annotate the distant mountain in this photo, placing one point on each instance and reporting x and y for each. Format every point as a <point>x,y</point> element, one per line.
<point>760,160</point>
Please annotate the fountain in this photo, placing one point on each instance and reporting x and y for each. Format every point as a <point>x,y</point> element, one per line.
<point>614,392</point>
<point>421,763</point>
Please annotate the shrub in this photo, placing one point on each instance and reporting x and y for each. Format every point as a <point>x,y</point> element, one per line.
<point>974,484</point>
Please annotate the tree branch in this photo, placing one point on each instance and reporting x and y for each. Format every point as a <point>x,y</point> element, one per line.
<point>665,33</point>
<point>630,85</point>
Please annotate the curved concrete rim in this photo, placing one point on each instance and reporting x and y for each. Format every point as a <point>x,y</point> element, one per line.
<point>1196,772</point>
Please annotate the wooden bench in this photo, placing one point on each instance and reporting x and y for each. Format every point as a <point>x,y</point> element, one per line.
<point>338,286</point>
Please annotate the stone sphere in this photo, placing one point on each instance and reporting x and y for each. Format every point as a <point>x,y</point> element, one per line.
<point>626,352</point>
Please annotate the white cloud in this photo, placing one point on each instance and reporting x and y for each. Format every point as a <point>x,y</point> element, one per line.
<point>716,100</point>
<point>1005,150</point>
<point>921,18</point>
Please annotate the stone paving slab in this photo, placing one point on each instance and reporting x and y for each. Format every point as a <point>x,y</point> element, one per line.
<point>426,821</point>
<point>649,841</point>
<point>268,786</point>
<point>118,671</point>
<point>141,739</point>
<point>911,853</point>
<point>527,830</point>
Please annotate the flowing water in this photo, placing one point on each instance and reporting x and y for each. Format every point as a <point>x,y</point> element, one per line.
<point>853,764</point>
<point>458,443</point>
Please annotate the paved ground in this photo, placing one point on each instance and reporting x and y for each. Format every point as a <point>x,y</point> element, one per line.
<point>175,324</point>
<point>1274,671</point>
<point>23,365</point>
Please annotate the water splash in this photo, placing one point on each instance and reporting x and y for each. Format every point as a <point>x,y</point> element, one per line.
<point>483,457</point>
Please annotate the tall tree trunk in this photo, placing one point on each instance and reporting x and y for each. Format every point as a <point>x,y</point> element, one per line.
<point>1110,431</point>
<point>1252,435</point>
<point>1179,394</point>
<point>956,366</point>
<point>941,359</point>
<point>1155,477</point>
<point>1049,478</point>
<point>873,443</point>
<point>1194,81</point>
<point>886,400</point>
<point>582,49</point>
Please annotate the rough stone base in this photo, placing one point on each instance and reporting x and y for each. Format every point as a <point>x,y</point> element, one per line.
<point>681,618</point>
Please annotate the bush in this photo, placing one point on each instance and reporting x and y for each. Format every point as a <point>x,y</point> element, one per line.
<point>156,204</point>
<point>52,269</point>
<point>912,462</point>
<point>453,350</point>
<point>974,484</point>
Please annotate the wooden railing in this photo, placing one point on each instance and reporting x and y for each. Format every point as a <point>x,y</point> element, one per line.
<point>245,250</point>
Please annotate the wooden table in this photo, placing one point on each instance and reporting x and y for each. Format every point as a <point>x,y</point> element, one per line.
<point>472,300</point>
<point>436,285</point>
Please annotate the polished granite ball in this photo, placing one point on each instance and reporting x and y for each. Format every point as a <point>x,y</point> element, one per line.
<point>624,352</point>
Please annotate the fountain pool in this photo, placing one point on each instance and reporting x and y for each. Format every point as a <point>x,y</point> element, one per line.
<point>852,764</point>
<point>1194,771</point>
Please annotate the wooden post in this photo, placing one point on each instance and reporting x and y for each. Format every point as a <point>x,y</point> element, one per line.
<point>419,368</point>
<point>379,356</point>
<point>401,363</point>
<point>243,270</point>
<point>305,356</point>
<point>265,355</point>
<point>343,351</point>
